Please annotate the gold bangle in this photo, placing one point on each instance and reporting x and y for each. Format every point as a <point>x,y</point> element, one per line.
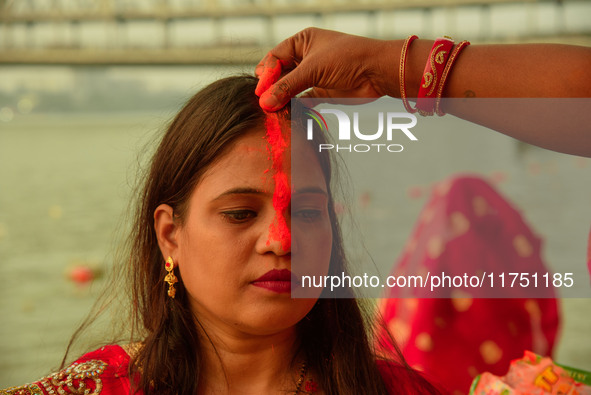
<point>403,54</point>
<point>445,73</point>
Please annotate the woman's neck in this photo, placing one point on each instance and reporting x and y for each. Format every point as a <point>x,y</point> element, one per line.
<point>240,363</point>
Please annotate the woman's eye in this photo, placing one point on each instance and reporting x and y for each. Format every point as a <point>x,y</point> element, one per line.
<point>308,215</point>
<point>238,216</point>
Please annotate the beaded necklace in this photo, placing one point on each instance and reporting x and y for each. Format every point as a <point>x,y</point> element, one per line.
<point>303,371</point>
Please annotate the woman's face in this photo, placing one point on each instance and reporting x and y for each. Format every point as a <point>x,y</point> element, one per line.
<point>236,273</point>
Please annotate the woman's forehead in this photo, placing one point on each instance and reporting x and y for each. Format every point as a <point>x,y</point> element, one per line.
<point>248,163</point>
<point>306,171</point>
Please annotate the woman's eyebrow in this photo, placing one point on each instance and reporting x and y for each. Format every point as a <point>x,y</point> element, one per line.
<point>241,191</point>
<point>317,190</point>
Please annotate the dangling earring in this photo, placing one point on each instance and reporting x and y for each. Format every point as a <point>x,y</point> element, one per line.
<point>170,277</point>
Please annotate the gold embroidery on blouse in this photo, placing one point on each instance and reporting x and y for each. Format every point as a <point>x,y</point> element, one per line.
<point>28,389</point>
<point>132,349</point>
<point>72,380</point>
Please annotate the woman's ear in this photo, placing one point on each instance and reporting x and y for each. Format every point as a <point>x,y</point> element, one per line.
<point>166,230</point>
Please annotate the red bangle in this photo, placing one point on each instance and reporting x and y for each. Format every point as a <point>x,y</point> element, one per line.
<point>448,66</point>
<point>405,47</point>
<point>432,75</point>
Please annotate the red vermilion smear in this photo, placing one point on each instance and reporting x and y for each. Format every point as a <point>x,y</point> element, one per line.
<point>279,229</point>
<point>270,75</point>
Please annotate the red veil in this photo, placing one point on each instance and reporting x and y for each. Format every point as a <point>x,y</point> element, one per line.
<point>467,226</point>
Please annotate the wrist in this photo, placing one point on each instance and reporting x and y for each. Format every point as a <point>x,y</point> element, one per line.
<point>388,59</point>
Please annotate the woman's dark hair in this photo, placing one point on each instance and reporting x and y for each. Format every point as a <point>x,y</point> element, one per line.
<point>333,337</point>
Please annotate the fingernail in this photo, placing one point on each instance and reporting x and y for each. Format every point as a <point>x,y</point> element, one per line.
<point>269,102</point>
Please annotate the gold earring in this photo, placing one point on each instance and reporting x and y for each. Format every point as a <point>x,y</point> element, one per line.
<point>170,277</point>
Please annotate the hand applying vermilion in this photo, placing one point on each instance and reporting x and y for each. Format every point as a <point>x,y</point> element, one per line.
<point>339,65</point>
<point>334,64</point>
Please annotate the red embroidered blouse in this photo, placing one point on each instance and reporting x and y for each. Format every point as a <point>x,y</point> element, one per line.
<point>106,371</point>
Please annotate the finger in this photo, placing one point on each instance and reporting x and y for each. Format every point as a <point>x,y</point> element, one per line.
<point>288,52</point>
<point>294,82</point>
<point>291,49</point>
<point>258,70</point>
<point>260,67</point>
<point>270,73</point>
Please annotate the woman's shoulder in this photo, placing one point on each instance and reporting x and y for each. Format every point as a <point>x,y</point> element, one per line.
<point>103,371</point>
<point>401,379</point>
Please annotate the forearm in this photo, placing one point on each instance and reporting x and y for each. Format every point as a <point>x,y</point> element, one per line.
<point>499,71</point>
<point>512,72</point>
<point>339,65</point>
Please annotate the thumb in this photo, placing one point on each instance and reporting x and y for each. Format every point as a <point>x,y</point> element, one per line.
<point>279,94</point>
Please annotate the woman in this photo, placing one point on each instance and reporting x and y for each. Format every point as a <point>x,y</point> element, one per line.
<point>209,270</point>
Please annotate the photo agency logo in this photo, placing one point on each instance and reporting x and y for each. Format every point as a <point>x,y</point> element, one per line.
<point>357,132</point>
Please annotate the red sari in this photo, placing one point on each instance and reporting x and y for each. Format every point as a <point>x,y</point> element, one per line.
<point>466,223</point>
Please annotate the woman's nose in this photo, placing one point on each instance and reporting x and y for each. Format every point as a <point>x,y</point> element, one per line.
<point>276,237</point>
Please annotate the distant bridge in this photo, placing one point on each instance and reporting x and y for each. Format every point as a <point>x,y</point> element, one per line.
<point>195,32</point>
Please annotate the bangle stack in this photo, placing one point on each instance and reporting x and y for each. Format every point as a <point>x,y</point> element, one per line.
<point>439,63</point>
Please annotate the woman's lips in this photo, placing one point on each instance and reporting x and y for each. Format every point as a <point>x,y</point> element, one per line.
<point>276,280</point>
